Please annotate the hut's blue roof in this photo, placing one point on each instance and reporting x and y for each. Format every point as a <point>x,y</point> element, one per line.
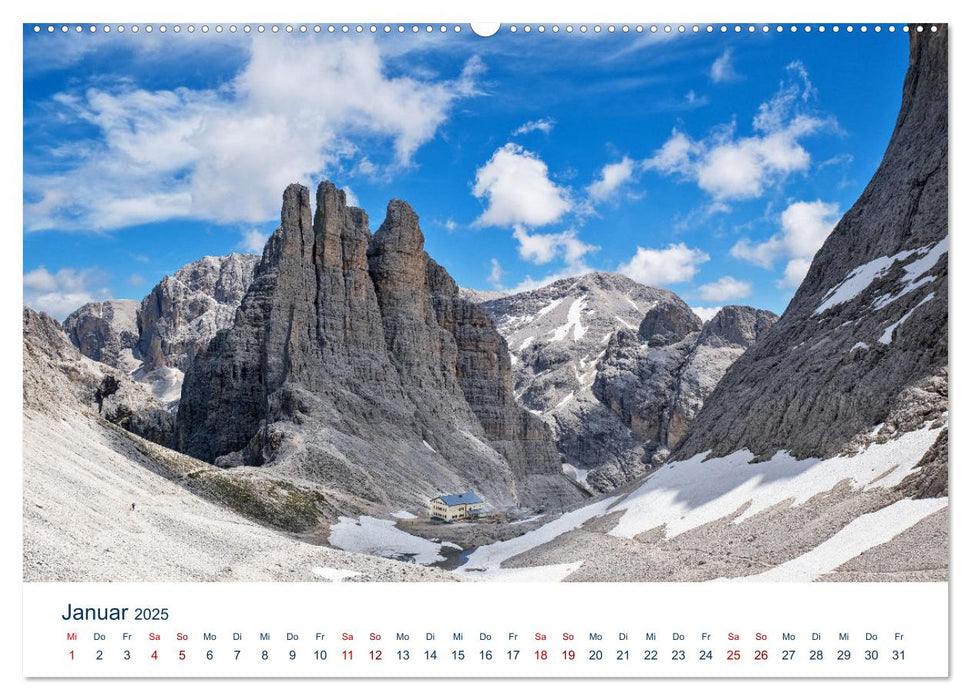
<point>456,499</point>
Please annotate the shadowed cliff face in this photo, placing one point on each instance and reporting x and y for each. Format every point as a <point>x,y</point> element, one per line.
<point>864,339</point>
<point>352,361</point>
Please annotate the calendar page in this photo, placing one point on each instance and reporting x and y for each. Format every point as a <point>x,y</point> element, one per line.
<point>485,350</point>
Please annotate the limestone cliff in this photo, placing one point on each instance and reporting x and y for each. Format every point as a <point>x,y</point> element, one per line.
<point>353,361</point>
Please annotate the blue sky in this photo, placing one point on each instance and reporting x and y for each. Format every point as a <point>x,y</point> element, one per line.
<point>712,164</point>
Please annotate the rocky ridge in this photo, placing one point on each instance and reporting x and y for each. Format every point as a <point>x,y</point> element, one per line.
<point>156,340</point>
<point>185,310</point>
<point>578,350</point>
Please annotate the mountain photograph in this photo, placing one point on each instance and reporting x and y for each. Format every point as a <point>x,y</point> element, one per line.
<point>383,308</point>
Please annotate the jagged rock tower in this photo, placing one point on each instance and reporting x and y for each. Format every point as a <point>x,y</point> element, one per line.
<point>353,362</point>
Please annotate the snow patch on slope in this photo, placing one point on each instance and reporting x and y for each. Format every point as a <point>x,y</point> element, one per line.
<point>367,535</point>
<point>334,575</point>
<point>575,473</point>
<point>165,383</point>
<point>887,336</point>
<point>914,272</point>
<point>864,275</point>
<point>549,307</point>
<point>573,322</point>
<point>484,562</point>
<point>693,492</point>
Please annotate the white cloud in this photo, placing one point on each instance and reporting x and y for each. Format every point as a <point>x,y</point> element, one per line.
<point>495,273</point>
<point>136,280</point>
<point>516,184</point>
<point>662,266</point>
<point>726,288</point>
<point>450,225</point>
<point>706,313</point>
<point>252,241</point>
<point>722,70</point>
<point>62,292</point>
<point>352,200</point>
<point>805,225</point>
<point>612,177</point>
<point>841,159</point>
<point>729,167</point>
<point>544,125</point>
<point>796,270</point>
<point>365,167</point>
<point>519,193</point>
<point>774,113</point>
<point>803,228</point>
<point>675,156</point>
<point>226,154</point>
<point>542,248</point>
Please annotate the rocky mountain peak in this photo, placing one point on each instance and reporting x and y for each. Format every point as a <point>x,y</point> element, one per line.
<point>400,229</point>
<point>736,325</point>
<point>668,322</point>
<point>657,380</point>
<point>334,220</point>
<point>295,218</point>
<point>106,331</point>
<point>602,358</point>
<point>396,254</point>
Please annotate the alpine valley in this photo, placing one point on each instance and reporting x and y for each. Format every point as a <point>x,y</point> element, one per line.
<point>290,416</point>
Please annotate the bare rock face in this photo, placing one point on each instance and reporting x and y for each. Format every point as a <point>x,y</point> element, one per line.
<point>106,331</point>
<point>484,371</point>
<point>353,362</point>
<point>656,380</point>
<point>185,310</point>
<point>580,362</point>
<point>58,377</point>
<point>557,335</point>
<point>668,323</point>
<point>867,328</point>
<point>158,339</point>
